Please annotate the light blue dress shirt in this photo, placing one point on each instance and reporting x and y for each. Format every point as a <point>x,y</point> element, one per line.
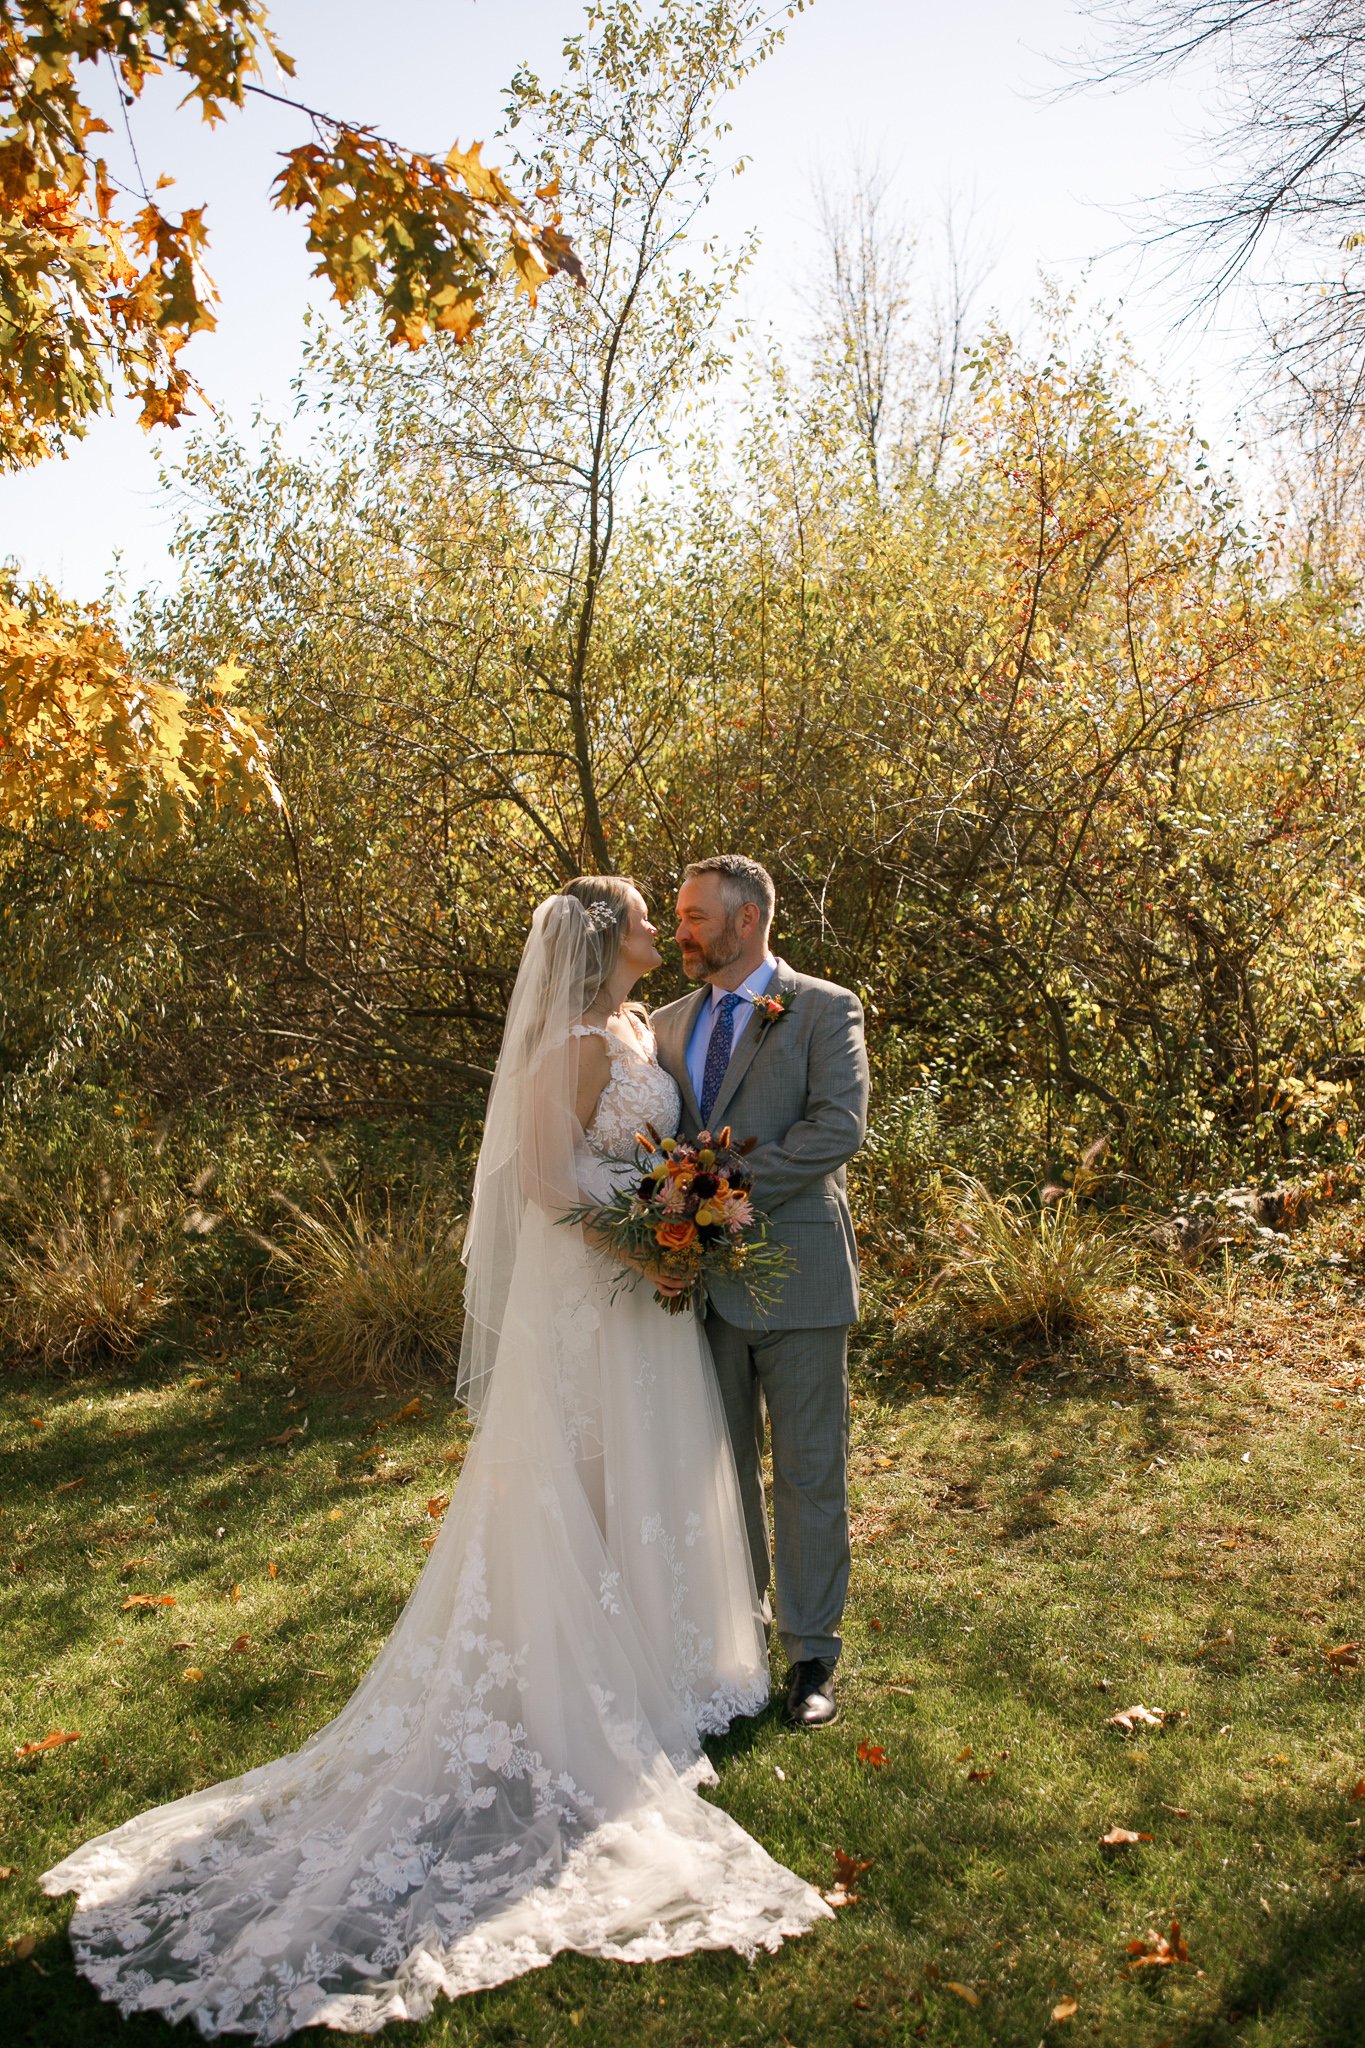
<point>700,1040</point>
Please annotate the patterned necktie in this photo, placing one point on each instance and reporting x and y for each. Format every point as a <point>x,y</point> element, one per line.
<point>718,1051</point>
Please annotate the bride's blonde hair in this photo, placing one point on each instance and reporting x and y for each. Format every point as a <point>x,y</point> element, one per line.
<point>606,900</point>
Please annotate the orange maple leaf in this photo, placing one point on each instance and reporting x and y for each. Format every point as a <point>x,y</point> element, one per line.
<point>847,1870</point>
<point>1158,1951</point>
<point>54,1740</point>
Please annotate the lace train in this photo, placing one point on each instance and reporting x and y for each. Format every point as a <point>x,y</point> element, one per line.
<point>517,1773</point>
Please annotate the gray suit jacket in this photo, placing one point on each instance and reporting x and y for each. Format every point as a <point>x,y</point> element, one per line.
<point>797,1083</point>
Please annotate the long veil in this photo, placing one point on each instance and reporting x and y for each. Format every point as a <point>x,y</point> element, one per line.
<point>532,1136</point>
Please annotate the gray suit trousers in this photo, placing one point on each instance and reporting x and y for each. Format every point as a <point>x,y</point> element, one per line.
<point>801,1378</point>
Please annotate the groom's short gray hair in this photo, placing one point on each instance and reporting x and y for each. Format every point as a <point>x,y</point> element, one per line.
<point>741,881</point>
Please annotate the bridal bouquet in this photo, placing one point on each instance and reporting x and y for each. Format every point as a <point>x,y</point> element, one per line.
<point>691,1214</point>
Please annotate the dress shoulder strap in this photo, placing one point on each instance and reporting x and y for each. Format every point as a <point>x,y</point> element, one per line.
<point>616,1048</point>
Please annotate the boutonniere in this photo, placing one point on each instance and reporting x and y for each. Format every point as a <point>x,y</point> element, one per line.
<point>768,1008</point>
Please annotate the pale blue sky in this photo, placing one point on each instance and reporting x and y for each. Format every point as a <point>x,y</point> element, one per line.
<point>950,97</point>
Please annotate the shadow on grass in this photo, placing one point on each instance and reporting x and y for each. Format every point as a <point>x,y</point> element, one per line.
<point>209,1498</point>
<point>1313,1967</point>
<point>45,2002</point>
<point>943,1357</point>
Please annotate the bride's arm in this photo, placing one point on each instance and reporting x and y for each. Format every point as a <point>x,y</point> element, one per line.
<point>594,1072</point>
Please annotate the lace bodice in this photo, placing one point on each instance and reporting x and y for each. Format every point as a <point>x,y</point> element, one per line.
<point>638,1093</point>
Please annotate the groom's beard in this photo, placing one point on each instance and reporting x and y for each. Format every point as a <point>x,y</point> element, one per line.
<point>701,962</point>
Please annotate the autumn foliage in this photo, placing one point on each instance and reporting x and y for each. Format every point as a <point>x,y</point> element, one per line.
<point>85,736</point>
<point>100,296</point>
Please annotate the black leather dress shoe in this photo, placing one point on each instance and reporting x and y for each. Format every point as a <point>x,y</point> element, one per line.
<point>810,1695</point>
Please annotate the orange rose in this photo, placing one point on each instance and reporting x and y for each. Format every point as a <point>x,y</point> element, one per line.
<point>676,1237</point>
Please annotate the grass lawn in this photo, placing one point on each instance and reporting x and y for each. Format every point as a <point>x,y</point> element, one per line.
<point>1035,1550</point>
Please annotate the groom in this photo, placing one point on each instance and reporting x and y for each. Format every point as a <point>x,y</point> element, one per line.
<point>780,1057</point>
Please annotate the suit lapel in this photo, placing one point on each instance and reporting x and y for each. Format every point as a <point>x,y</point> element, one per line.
<point>756,1034</point>
<point>680,1037</point>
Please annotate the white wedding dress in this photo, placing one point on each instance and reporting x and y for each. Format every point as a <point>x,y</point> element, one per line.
<point>517,1772</point>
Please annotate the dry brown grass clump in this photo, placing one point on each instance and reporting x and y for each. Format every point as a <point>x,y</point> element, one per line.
<point>84,1288</point>
<point>381,1297</point>
<point>1011,1268</point>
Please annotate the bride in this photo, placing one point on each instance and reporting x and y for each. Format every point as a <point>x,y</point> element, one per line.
<point>516,1774</point>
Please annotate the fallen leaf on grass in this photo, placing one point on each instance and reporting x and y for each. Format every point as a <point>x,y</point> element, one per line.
<point>23,1948</point>
<point>6,1872</point>
<point>1345,1657</point>
<point>962,1991</point>
<point>148,1600</point>
<point>69,1485</point>
<point>286,1436</point>
<point>1157,1951</point>
<point>873,1753</point>
<point>873,1623</point>
<point>980,1777</point>
<point>1119,1839</point>
<point>409,1411</point>
<point>1147,1717</point>
<point>1130,1717</point>
<point>192,1674</point>
<point>963,1754</point>
<point>234,1593</point>
<point>847,1870</point>
<point>437,1505</point>
<point>53,1740</point>
<point>133,1564</point>
<point>906,1691</point>
<point>1065,2009</point>
<point>240,1643</point>
<point>272,1571</point>
<point>1357,1790</point>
